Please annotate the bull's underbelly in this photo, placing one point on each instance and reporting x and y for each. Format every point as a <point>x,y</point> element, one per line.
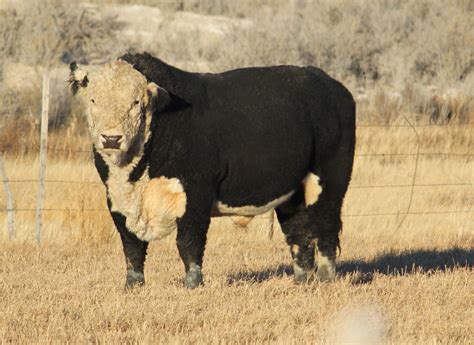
<point>223,209</point>
<point>153,206</point>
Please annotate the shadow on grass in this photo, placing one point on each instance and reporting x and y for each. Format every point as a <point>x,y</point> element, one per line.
<point>390,264</point>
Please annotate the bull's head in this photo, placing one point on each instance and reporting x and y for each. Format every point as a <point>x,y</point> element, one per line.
<point>119,103</point>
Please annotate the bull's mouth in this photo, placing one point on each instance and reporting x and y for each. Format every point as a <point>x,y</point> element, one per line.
<point>111,145</point>
<point>111,142</point>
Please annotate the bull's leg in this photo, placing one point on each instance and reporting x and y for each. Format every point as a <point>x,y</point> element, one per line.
<point>191,241</point>
<point>293,219</point>
<point>134,250</point>
<point>325,213</point>
<point>192,235</point>
<point>303,257</point>
<point>326,224</point>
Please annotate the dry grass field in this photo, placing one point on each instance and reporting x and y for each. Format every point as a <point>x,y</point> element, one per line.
<point>398,283</point>
<point>405,271</point>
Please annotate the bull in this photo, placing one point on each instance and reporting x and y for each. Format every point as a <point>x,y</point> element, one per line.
<point>175,148</point>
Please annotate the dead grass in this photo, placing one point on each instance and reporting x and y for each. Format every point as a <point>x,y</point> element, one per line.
<point>399,282</point>
<point>419,294</point>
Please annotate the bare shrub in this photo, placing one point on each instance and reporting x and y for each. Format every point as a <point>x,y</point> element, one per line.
<point>384,107</point>
<point>55,31</point>
<point>422,104</point>
<point>378,49</point>
<point>41,34</point>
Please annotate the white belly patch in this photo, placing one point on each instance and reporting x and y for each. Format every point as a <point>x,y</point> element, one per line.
<point>151,206</point>
<point>311,187</point>
<point>252,210</point>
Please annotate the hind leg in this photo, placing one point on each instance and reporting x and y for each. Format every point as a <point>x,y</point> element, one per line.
<point>325,213</point>
<point>294,223</point>
<point>322,223</point>
<point>327,225</point>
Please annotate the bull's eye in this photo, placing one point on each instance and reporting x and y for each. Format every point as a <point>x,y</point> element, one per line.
<point>92,101</point>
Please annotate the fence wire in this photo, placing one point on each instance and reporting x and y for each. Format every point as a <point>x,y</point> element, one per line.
<point>403,214</point>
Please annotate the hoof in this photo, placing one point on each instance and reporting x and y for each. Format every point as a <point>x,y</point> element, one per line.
<point>326,274</point>
<point>326,267</point>
<point>193,277</point>
<point>301,276</point>
<point>134,279</point>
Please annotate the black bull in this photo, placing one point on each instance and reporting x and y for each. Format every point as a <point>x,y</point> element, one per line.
<point>243,141</point>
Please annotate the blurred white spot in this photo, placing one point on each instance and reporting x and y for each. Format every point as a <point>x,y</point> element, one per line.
<point>358,324</point>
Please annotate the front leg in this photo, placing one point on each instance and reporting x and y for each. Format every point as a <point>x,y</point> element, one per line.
<point>134,250</point>
<point>192,234</point>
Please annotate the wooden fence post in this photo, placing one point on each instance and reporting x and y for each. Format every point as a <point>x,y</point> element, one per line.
<point>43,152</point>
<point>8,194</point>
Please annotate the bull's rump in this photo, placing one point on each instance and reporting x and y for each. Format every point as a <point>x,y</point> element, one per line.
<point>265,122</point>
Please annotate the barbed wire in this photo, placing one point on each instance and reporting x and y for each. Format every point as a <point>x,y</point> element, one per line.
<point>406,213</point>
<point>412,185</point>
<point>432,125</point>
<point>415,154</point>
<point>402,214</point>
<point>383,214</point>
<point>350,187</point>
<point>54,181</point>
<point>368,154</point>
<point>416,126</point>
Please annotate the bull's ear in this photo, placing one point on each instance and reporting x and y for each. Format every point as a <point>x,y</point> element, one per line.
<point>77,78</point>
<point>158,97</point>
<point>152,90</point>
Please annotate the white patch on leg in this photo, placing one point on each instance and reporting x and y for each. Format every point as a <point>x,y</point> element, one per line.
<point>298,271</point>
<point>326,267</point>
<point>312,189</point>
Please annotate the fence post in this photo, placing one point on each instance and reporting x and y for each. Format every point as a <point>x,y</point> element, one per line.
<point>8,194</point>
<point>43,151</point>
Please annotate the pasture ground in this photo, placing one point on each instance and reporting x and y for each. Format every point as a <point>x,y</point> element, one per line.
<point>386,292</point>
<point>399,282</point>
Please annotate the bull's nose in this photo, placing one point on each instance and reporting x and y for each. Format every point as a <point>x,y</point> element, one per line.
<point>111,141</point>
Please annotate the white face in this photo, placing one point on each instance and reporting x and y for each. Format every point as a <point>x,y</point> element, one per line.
<point>118,100</point>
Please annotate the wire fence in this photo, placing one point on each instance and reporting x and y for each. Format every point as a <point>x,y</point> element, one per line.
<point>400,214</point>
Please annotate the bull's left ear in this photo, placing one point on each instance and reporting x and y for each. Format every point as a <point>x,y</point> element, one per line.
<point>152,90</point>
<point>157,96</point>
<point>77,78</point>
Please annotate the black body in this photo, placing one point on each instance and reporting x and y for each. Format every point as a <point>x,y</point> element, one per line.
<point>247,137</point>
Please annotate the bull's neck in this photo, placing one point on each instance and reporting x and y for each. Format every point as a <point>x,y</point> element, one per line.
<point>169,77</point>
<point>123,160</point>
<point>126,166</point>
<point>180,83</point>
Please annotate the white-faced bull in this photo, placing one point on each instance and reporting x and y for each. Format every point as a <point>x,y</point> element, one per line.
<point>175,148</point>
